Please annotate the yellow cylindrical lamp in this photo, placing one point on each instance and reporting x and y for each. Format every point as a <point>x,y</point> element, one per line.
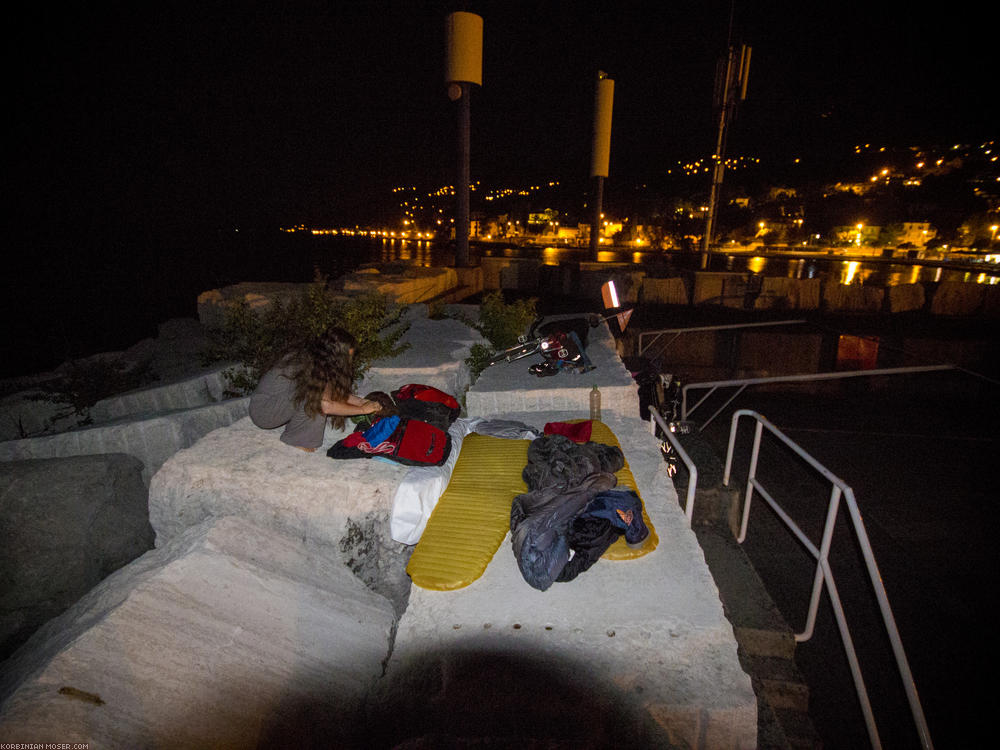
<point>464,58</point>
<point>603,100</point>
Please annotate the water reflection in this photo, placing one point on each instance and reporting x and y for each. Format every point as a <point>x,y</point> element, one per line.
<point>341,254</point>
<point>415,252</point>
<point>874,272</point>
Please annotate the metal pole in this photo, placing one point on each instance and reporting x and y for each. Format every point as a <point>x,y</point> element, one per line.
<point>462,188</point>
<point>717,167</point>
<point>595,224</point>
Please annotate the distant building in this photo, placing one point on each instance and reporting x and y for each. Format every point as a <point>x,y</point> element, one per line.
<point>857,234</point>
<point>916,233</point>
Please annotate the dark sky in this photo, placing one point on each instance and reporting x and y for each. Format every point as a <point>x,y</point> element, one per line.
<point>227,113</point>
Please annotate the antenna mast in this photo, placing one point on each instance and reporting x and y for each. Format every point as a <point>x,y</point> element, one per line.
<point>732,76</point>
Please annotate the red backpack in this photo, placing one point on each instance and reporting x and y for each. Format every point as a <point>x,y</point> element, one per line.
<point>429,394</point>
<point>421,436</point>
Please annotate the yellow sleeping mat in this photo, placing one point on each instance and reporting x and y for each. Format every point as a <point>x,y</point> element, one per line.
<point>472,517</point>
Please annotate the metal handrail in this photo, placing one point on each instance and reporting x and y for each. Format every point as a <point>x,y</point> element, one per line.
<point>657,419</point>
<point>824,574</point>
<point>713,385</point>
<point>678,331</point>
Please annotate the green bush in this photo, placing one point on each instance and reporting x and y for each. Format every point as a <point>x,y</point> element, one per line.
<point>256,339</point>
<point>500,324</point>
<point>85,382</point>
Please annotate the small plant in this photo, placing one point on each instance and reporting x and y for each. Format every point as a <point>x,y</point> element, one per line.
<point>436,310</point>
<point>500,324</point>
<point>256,339</point>
<point>86,382</point>
<point>479,359</point>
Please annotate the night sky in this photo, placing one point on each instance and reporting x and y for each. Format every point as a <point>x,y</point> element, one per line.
<point>228,113</point>
<point>144,134</point>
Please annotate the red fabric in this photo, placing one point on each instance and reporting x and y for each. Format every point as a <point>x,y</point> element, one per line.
<point>578,432</point>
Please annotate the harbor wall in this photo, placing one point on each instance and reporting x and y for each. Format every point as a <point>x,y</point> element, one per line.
<point>739,290</point>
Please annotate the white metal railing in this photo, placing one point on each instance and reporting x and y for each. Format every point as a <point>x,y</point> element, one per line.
<point>742,383</point>
<point>655,335</point>
<point>824,574</point>
<point>657,420</point>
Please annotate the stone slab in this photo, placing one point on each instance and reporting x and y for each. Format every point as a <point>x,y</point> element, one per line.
<point>404,284</point>
<point>230,636</point>
<point>436,357</point>
<point>242,470</point>
<point>647,638</point>
<point>187,393</point>
<point>509,387</point>
<point>152,439</point>
<point>67,524</point>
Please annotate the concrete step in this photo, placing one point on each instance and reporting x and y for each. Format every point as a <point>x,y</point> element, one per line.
<point>766,643</point>
<point>798,730</point>
<point>760,629</point>
<point>779,680</point>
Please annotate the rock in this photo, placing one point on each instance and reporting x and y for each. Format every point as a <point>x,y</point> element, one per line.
<point>242,470</point>
<point>405,285</point>
<point>213,304</point>
<point>68,524</point>
<point>152,438</point>
<point>230,636</point>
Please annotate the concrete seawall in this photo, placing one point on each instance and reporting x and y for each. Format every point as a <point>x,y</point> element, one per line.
<point>738,290</point>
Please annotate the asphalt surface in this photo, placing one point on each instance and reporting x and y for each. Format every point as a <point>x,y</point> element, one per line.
<point>920,456</point>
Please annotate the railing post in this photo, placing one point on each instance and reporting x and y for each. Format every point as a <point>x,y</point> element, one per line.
<point>824,574</point>
<point>824,553</point>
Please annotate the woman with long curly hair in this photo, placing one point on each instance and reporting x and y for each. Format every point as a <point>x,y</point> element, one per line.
<point>307,386</point>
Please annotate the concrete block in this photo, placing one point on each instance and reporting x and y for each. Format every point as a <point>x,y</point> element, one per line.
<point>770,352</point>
<point>242,470</point>
<point>853,298</point>
<point>958,298</point>
<point>905,297</point>
<point>68,523</point>
<point>717,288</point>
<point>231,636</point>
<point>508,386</point>
<point>642,647</point>
<point>672,291</point>
<point>436,356</point>
<point>213,303</point>
<point>152,439</point>
<point>405,285</point>
<point>783,293</point>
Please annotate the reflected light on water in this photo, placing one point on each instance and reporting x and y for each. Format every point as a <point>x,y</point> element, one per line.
<point>756,264</point>
<point>850,270</point>
<point>418,252</point>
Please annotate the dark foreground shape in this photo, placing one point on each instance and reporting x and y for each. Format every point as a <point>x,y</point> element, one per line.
<point>68,523</point>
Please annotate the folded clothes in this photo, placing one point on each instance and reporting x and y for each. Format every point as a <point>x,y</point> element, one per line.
<point>506,428</point>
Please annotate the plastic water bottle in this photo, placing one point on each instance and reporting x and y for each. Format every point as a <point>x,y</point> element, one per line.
<point>595,403</point>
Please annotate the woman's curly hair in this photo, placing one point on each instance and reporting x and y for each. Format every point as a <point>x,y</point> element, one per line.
<point>326,361</point>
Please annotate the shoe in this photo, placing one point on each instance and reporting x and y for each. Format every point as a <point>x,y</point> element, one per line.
<point>544,369</point>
